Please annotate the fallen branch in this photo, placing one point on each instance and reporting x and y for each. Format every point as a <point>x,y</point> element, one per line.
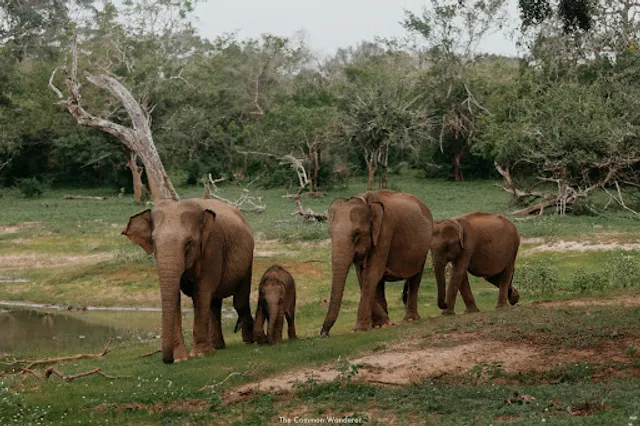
<point>215,385</point>
<point>32,363</point>
<point>148,354</point>
<point>83,197</point>
<point>51,370</point>
<point>308,214</point>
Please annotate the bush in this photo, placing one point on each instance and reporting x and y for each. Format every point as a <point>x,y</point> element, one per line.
<point>30,187</point>
<point>589,281</point>
<point>623,271</point>
<point>536,278</point>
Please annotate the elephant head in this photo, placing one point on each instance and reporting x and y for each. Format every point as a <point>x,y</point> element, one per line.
<point>354,228</point>
<point>446,245</point>
<point>176,232</point>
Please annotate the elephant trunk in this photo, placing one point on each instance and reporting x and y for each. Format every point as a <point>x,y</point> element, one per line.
<point>442,284</point>
<point>340,264</point>
<point>272,308</point>
<point>169,272</point>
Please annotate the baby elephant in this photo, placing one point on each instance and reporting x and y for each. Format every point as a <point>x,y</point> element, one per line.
<point>276,300</point>
<point>483,244</point>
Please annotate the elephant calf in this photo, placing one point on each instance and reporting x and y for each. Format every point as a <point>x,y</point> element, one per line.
<point>276,300</point>
<point>483,244</point>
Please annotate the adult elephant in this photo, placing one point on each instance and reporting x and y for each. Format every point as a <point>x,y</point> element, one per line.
<point>205,249</point>
<point>483,244</point>
<point>386,235</point>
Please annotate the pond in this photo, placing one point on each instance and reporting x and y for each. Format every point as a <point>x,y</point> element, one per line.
<point>33,329</point>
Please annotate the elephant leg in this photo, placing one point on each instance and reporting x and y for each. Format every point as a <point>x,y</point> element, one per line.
<point>217,338</point>
<point>291,325</point>
<point>258,325</point>
<point>467,295</point>
<point>458,274</point>
<point>413,285</point>
<point>202,323</point>
<point>179,350</point>
<point>368,303</point>
<point>380,313</point>
<point>503,282</point>
<point>242,306</point>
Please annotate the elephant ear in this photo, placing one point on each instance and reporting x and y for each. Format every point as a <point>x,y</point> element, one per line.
<point>139,229</point>
<point>377,213</point>
<point>460,232</point>
<point>206,226</point>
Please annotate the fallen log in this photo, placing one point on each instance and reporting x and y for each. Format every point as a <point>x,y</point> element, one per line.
<point>83,197</point>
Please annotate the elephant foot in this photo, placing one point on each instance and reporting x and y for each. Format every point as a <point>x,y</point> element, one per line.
<point>502,305</point>
<point>260,338</point>
<point>200,350</point>
<point>361,327</point>
<point>447,312</point>
<point>381,322</point>
<point>411,317</point>
<point>514,296</point>
<point>219,345</point>
<point>471,310</point>
<point>180,354</point>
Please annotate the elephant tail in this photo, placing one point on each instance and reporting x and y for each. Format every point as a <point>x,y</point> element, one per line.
<point>238,325</point>
<point>405,293</point>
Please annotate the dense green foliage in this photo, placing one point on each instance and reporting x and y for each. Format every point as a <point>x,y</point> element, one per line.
<point>563,112</point>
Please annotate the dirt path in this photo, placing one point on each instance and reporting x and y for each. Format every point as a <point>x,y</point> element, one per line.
<point>408,363</point>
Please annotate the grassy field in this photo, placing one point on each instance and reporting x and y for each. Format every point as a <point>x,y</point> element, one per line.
<point>568,353</point>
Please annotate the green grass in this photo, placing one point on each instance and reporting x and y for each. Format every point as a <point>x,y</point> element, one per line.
<point>72,253</point>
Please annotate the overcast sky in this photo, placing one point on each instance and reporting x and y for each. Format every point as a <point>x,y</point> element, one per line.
<point>328,24</point>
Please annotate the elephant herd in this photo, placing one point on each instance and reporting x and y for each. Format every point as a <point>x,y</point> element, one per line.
<point>204,249</point>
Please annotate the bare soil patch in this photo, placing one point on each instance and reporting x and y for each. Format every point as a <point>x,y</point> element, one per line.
<point>405,367</point>
<point>580,246</point>
<point>627,301</point>
<point>32,260</point>
<point>4,230</point>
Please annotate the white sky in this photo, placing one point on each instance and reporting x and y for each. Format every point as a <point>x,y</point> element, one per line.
<point>328,24</point>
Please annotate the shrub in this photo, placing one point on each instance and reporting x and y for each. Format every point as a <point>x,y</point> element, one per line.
<point>589,281</point>
<point>623,270</point>
<point>536,278</point>
<point>30,187</point>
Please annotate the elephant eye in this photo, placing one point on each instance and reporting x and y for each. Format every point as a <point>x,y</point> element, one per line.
<point>188,243</point>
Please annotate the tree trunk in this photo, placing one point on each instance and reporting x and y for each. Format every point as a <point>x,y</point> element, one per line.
<point>384,178</point>
<point>136,174</point>
<point>372,172</point>
<point>456,166</point>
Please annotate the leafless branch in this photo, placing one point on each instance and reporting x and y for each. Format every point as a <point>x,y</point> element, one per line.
<point>53,371</point>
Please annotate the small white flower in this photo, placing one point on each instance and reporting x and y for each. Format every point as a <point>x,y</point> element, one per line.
<point>633,418</point>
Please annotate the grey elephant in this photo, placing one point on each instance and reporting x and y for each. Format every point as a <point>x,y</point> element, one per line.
<point>205,249</point>
<point>386,235</point>
<point>482,244</point>
<point>276,301</point>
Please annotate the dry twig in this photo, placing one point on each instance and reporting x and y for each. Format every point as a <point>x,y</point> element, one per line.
<point>148,354</point>
<point>51,370</point>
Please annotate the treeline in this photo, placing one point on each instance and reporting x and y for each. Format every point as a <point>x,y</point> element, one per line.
<point>565,114</point>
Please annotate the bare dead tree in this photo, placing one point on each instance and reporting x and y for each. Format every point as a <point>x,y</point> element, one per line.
<point>568,193</point>
<point>136,138</point>
<point>245,203</point>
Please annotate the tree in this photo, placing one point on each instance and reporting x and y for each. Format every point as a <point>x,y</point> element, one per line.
<point>451,31</point>
<point>382,111</point>
<point>136,138</point>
